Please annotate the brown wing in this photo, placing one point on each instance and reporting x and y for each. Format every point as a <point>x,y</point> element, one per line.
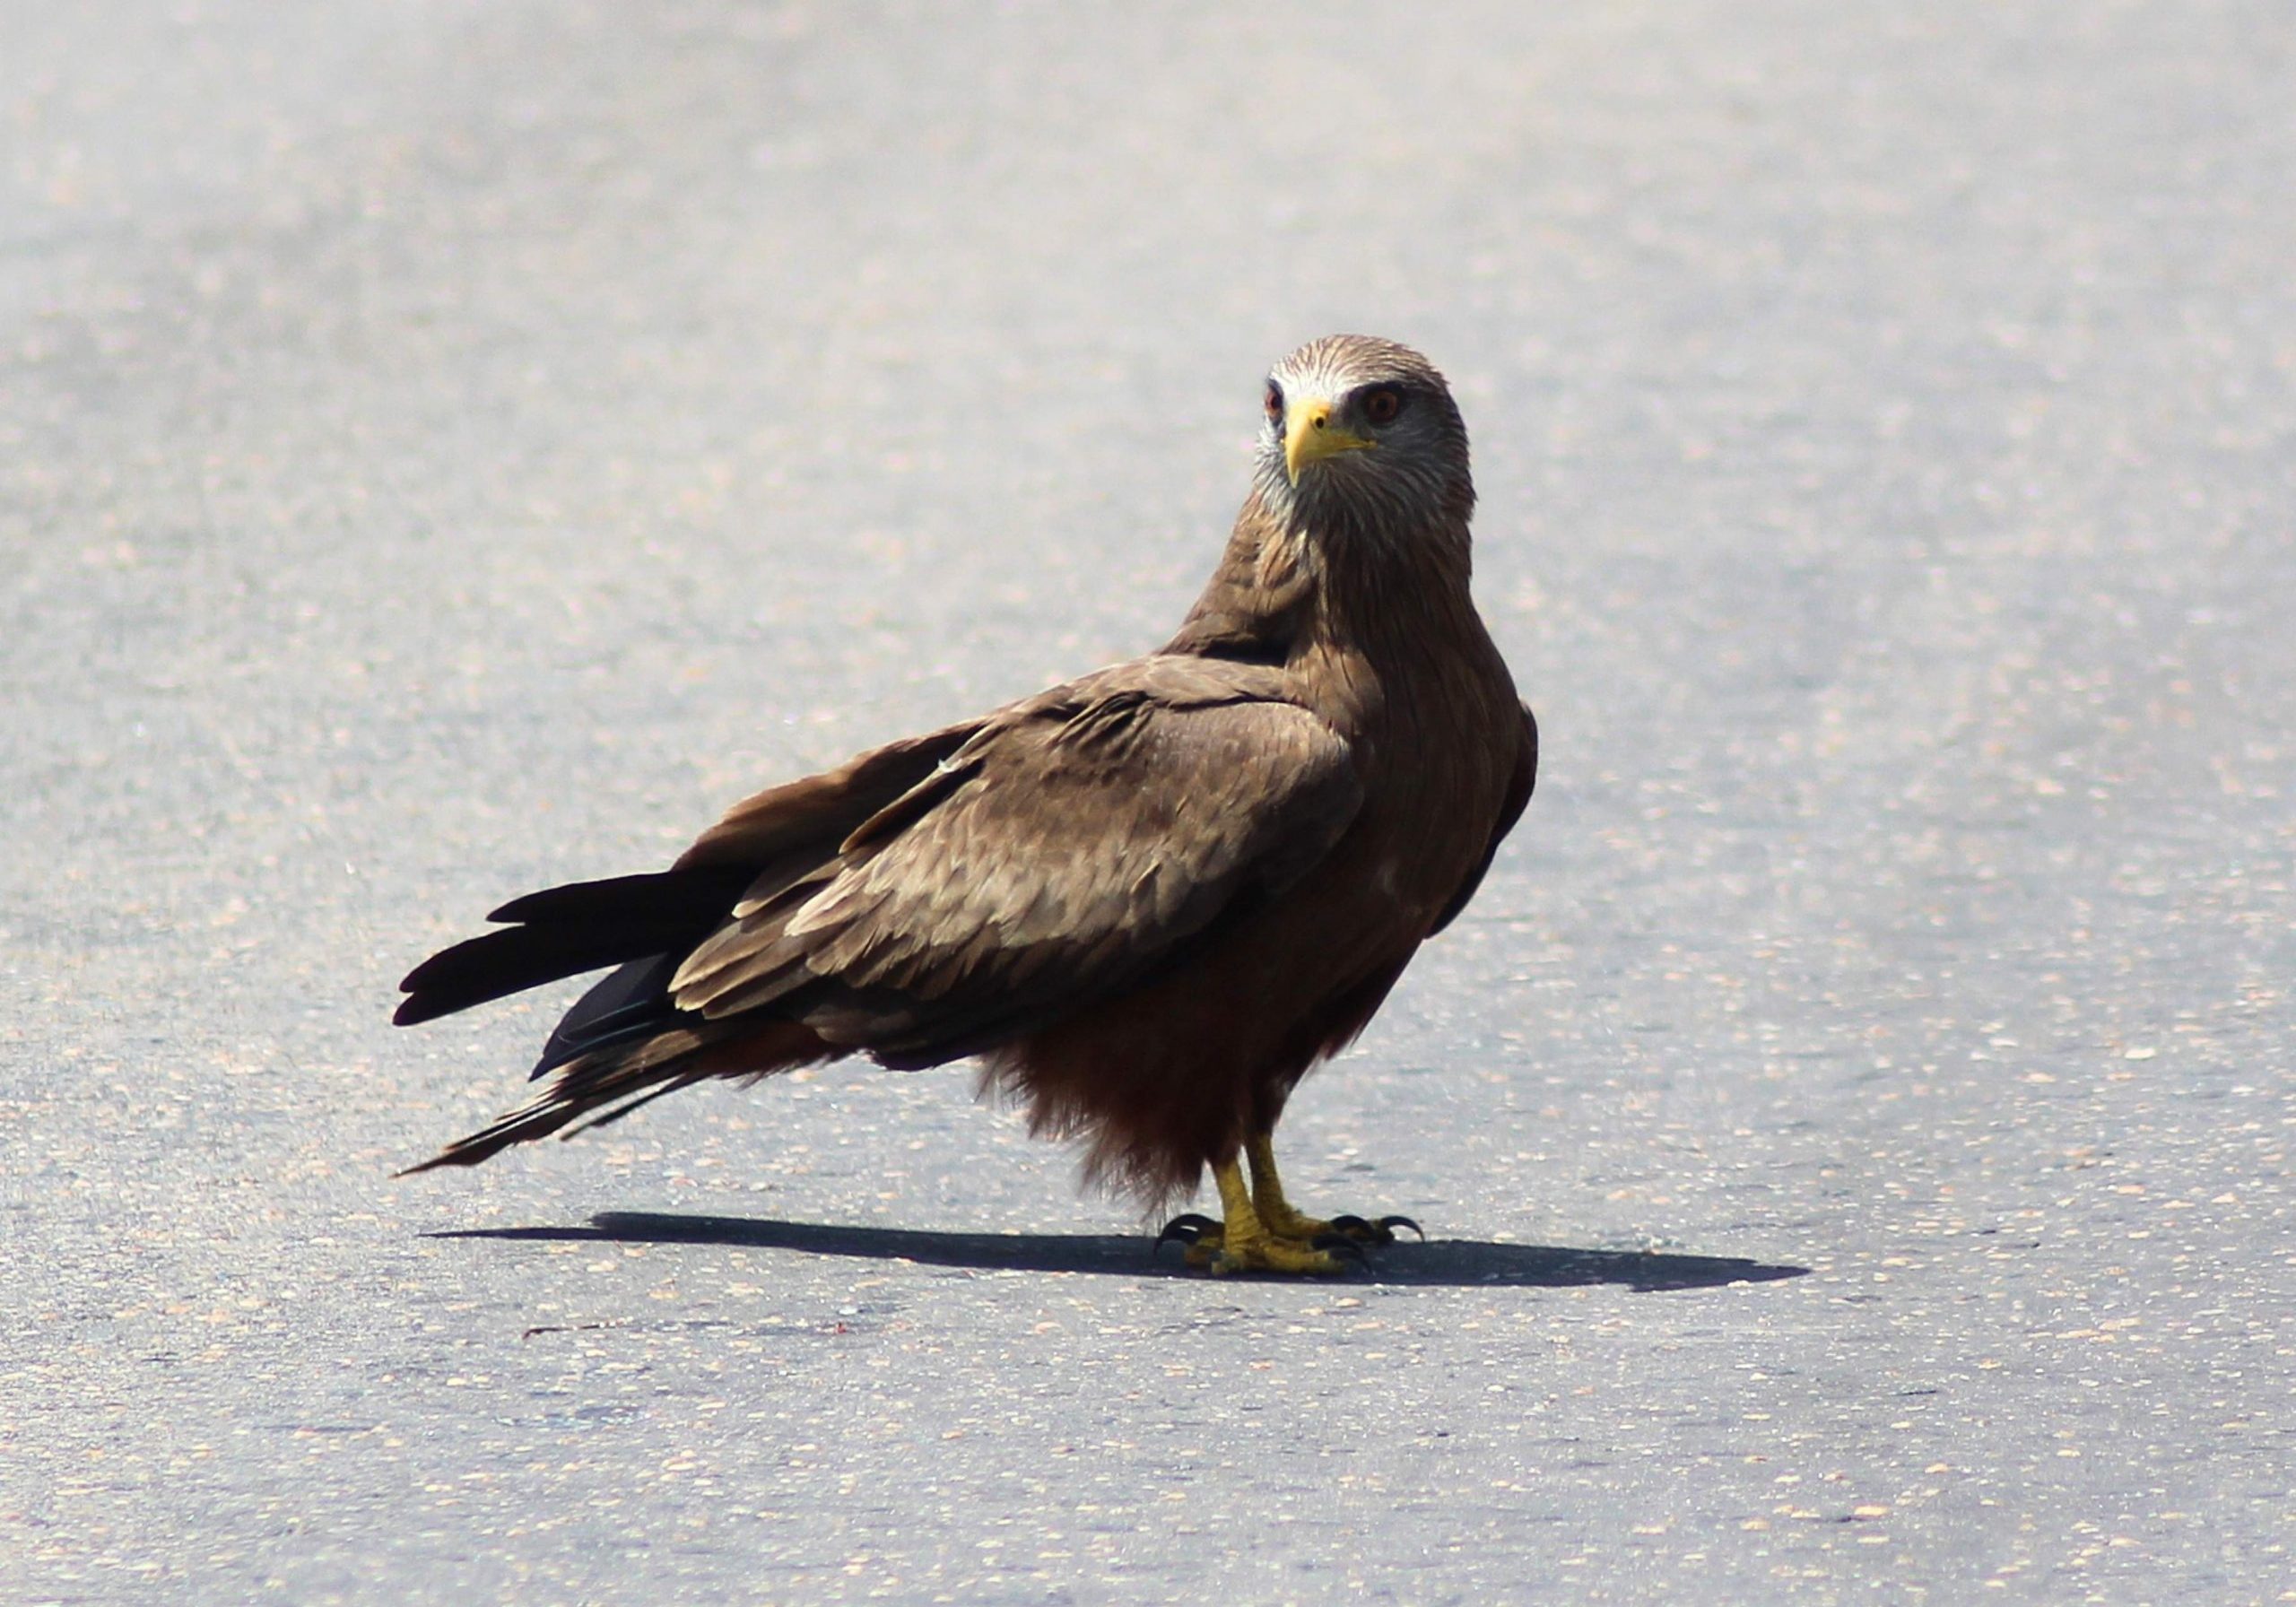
<point>1075,841</point>
<point>1519,798</point>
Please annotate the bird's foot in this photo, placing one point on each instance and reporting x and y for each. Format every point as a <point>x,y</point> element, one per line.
<point>1212,1248</point>
<point>1263,1233</point>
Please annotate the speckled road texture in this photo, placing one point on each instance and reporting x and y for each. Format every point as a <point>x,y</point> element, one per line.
<point>446,449</point>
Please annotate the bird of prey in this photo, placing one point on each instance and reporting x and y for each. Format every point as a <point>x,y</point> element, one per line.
<point>1149,900</point>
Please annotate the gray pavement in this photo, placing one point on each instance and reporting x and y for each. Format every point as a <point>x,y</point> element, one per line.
<point>445,450</point>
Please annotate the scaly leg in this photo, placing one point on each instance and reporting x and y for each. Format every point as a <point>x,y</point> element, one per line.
<point>1283,1217</point>
<point>1265,1232</point>
<point>1243,1243</point>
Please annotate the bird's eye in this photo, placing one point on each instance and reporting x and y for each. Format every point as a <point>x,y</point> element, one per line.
<point>1382,404</point>
<point>1275,403</point>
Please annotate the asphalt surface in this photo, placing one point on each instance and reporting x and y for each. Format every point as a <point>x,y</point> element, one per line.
<point>449,449</point>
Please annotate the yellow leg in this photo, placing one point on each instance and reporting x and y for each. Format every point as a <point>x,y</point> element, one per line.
<point>1263,1232</point>
<point>1283,1217</point>
<point>1267,1193</point>
<point>1243,1243</point>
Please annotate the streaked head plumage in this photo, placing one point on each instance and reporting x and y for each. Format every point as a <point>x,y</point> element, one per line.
<point>1362,431</point>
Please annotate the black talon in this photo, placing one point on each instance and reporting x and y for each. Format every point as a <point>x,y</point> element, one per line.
<point>1361,1231</point>
<point>1186,1228</point>
<point>1381,1232</point>
<point>1339,1244</point>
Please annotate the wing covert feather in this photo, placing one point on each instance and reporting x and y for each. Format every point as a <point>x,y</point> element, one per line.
<point>1073,841</point>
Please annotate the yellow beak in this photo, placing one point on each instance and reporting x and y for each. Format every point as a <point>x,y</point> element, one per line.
<point>1310,437</point>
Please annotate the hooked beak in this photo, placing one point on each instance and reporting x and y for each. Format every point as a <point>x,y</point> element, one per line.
<point>1310,435</point>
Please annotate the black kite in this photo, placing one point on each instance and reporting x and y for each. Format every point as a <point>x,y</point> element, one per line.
<point>1150,900</point>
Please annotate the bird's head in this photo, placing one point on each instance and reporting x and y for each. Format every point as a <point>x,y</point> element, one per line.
<point>1362,432</point>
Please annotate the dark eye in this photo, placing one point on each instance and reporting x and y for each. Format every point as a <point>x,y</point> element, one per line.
<point>1382,404</point>
<point>1275,403</point>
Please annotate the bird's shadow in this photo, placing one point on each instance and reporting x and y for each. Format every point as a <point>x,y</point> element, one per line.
<point>1442,1263</point>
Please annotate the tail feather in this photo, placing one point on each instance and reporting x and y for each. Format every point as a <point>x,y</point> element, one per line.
<point>502,963</point>
<point>605,1085</point>
<point>624,1005</point>
<point>625,1042</point>
<point>565,930</point>
<point>692,895</point>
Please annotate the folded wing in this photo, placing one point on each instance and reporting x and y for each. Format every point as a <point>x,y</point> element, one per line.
<point>1076,842</point>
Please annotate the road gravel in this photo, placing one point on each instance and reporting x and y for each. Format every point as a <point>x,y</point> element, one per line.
<point>446,449</point>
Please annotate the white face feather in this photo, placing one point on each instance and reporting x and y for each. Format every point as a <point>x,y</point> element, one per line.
<point>1325,370</point>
